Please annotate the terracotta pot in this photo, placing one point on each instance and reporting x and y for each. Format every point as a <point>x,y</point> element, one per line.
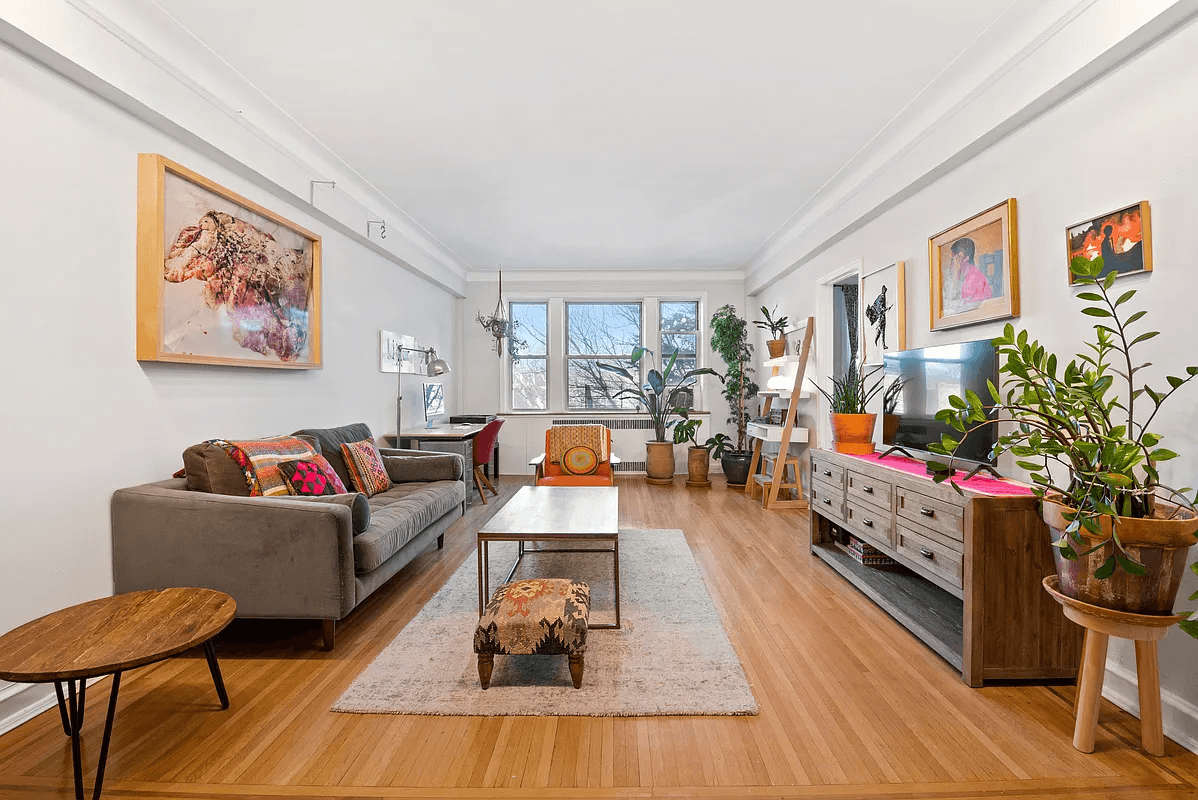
<point>1160,545</point>
<point>777,347</point>
<point>697,467</point>
<point>853,433</point>
<point>659,463</point>
<point>735,464</point>
<point>890,423</point>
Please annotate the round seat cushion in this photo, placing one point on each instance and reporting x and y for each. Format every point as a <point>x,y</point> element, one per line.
<point>537,616</point>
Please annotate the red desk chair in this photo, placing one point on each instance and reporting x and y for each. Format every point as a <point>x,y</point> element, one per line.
<point>568,462</point>
<point>484,448</point>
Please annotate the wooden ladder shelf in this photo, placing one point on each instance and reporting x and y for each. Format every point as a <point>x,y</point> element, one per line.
<point>774,477</point>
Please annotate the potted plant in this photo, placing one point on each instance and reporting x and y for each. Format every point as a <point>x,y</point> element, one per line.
<point>729,338</point>
<point>777,329</point>
<point>1120,537</point>
<point>697,467</point>
<point>659,397</point>
<point>890,420</point>
<point>848,403</point>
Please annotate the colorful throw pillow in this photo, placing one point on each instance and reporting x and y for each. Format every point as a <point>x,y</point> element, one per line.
<point>580,460</point>
<point>311,476</point>
<point>366,470</point>
<point>260,459</point>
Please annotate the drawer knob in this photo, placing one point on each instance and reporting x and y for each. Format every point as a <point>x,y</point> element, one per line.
<point>927,512</point>
<point>827,501</point>
<point>828,473</point>
<point>867,489</point>
<point>926,553</point>
<point>869,523</point>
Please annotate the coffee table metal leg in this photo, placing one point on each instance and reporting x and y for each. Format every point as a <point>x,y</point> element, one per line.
<point>214,668</point>
<point>480,578</point>
<point>616,577</point>
<point>62,708</point>
<point>76,756</point>
<point>75,699</point>
<point>116,685</point>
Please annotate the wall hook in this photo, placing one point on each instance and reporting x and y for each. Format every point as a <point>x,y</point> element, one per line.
<point>312,189</point>
<point>382,227</point>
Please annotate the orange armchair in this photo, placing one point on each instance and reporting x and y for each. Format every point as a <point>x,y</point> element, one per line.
<point>578,469</point>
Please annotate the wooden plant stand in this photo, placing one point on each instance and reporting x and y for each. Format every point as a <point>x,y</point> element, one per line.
<point>775,477</point>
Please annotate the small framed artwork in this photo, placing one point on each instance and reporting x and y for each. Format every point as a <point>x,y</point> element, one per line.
<point>220,279</point>
<point>883,312</point>
<point>974,269</point>
<point>1122,238</point>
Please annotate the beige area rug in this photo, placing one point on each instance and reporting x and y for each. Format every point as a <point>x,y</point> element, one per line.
<point>672,655</point>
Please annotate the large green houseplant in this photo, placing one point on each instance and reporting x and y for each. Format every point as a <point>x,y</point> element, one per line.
<point>730,338</point>
<point>1120,535</point>
<point>659,396</point>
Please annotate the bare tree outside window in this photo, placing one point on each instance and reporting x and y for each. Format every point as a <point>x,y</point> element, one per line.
<point>530,356</point>
<point>600,332</point>
<point>680,331</point>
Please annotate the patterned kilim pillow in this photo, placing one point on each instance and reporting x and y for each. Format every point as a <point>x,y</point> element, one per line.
<point>259,459</point>
<point>580,460</point>
<point>365,466</point>
<point>311,476</point>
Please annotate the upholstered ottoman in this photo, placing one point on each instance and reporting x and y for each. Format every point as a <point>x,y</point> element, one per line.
<point>538,616</point>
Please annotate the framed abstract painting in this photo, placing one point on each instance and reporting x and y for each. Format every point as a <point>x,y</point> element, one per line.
<point>974,269</point>
<point>1123,238</point>
<point>220,279</point>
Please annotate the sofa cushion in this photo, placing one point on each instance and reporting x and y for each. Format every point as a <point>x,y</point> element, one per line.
<point>359,507</point>
<point>431,467</point>
<point>331,440</point>
<point>208,468</point>
<point>312,475</point>
<point>366,469</point>
<point>399,514</point>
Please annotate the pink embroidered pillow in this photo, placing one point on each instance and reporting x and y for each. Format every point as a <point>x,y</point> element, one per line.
<point>365,465</point>
<point>311,476</point>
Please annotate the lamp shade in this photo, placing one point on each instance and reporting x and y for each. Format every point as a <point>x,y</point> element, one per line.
<point>436,366</point>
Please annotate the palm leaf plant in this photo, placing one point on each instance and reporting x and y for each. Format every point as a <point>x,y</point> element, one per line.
<point>660,392</point>
<point>1084,439</point>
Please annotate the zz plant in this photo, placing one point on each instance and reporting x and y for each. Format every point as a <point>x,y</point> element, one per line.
<point>1074,417</point>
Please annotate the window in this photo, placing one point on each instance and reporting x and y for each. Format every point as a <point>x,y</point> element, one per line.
<point>600,332</point>
<point>530,356</point>
<point>679,323</point>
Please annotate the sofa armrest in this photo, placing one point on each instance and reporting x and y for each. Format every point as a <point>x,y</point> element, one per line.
<point>427,466</point>
<point>277,556</point>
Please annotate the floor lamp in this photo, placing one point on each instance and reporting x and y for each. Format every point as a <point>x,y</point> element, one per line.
<point>434,367</point>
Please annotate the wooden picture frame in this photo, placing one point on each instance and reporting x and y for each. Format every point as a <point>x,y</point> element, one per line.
<point>1123,238</point>
<point>974,269</point>
<point>221,279</point>
<point>883,290</point>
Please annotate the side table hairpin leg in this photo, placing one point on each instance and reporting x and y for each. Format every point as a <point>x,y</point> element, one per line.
<point>71,709</point>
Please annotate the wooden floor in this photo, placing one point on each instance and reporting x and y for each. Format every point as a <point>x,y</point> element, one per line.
<point>851,704</point>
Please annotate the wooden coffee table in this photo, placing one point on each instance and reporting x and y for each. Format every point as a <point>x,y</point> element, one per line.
<point>107,637</point>
<point>554,514</point>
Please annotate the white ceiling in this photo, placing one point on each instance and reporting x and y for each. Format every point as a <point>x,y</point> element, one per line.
<point>592,134</point>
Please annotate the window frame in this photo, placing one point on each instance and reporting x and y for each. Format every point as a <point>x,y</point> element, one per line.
<point>510,361</point>
<point>567,356</point>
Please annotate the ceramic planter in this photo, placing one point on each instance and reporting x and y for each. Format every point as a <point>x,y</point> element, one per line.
<point>735,464</point>
<point>777,347</point>
<point>659,463</point>
<point>698,465</point>
<point>1161,545</point>
<point>853,433</point>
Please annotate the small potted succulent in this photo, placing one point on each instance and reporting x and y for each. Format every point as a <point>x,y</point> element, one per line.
<point>848,404</point>
<point>730,338</point>
<point>697,467</point>
<point>777,329</point>
<point>1120,537</point>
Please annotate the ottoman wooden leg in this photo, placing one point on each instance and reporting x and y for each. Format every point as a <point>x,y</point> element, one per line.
<point>576,669</point>
<point>486,662</point>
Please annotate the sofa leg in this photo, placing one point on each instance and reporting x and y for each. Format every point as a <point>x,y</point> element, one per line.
<point>576,669</point>
<point>328,627</point>
<point>486,662</point>
<point>441,541</point>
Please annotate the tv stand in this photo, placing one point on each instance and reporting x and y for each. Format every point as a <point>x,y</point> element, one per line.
<point>970,566</point>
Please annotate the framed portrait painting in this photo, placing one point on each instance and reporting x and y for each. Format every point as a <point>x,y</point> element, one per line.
<point>220,279</point>
<point>883,312</point>
<point>1123,238</point>
<point>975,270</point>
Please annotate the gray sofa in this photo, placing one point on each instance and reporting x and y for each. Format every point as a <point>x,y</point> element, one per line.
<point>288,557</point>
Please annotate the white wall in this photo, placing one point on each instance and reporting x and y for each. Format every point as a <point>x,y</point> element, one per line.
<point>1127,137</point>
<point>523,435</point>
<point>81,417</point>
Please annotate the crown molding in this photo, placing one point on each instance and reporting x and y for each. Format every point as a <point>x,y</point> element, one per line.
<point>624,276</point>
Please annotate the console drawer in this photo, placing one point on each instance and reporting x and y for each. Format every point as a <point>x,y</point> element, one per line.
<point>868,523</point>
<point>868,490</point>
<point>930,513</point>
<point>826,471</point>
<point>827,502</point>
<point>944,562</point>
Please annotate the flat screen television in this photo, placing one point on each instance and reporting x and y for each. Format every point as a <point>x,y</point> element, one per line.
<point>928,377</point>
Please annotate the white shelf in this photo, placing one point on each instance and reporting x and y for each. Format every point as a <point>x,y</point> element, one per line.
<point>773,433</point>
<point>783,394</point>
<point>781,361</point>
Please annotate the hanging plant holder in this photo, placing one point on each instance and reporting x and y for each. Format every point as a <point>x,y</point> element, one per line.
<point>500,327</point>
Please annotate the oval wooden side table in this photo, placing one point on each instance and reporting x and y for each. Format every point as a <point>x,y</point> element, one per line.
<point>107,637</point>
<point>1101,624</point>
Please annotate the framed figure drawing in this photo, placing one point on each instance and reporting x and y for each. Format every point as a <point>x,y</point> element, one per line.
<point>883,312</point>
<point>974,269</point>
<point>220,279</point>
<point>1123,238</point>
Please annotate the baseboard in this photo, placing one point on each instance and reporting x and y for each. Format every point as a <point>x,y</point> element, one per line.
<point>21,702</point>
<point>1180,716</point>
